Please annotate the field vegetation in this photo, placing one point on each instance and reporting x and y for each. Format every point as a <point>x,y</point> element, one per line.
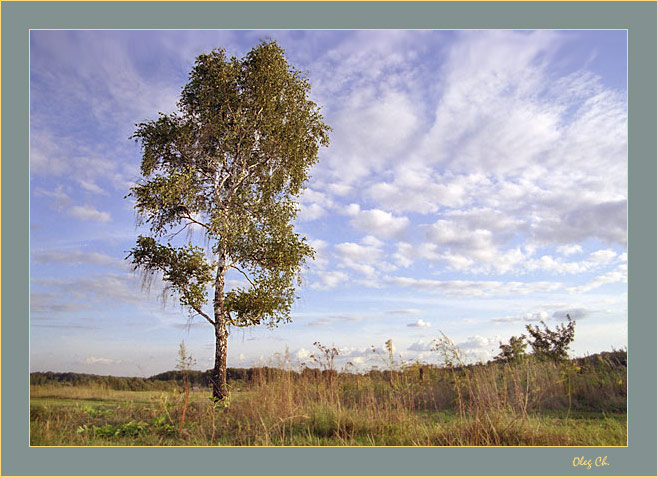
<point>526,401</point>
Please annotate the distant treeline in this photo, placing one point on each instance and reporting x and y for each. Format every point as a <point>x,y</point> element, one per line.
<point>163,381</point>
<point>201,379</point>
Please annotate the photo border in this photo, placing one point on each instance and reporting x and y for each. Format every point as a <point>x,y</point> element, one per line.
<point>639,18</point>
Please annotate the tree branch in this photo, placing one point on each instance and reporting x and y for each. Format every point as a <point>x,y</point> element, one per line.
<point>171,236</point>
<point>185,214</point>
<point>229,318</point>
<point>211,321</point>
<point>245,275</point>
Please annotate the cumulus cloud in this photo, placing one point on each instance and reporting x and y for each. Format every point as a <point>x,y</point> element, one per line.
<point>365,258</point>
<point>302,354</point>
<point>358,253</point>
<point>473,249</point>
<point>569,249</point>
<point>310,212</point>
<point>548,263</point>
<point>329,280</point>
<point>480,343</point>
<point>313,205</point>
<point>422,190</point>
<point>479,348</point>
<point>408,253</point>
<point>420,324</point>
<point>492,179</point>
<point>322,255</point>
<point>421,345</point>
<point>377,222</point>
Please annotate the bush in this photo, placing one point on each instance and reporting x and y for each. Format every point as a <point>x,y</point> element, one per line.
<point>549,344</point>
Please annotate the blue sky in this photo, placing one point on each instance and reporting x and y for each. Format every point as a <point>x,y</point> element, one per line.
<point>475,183</point>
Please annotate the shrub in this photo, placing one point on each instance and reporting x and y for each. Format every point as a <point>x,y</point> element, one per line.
<point>549,344</point>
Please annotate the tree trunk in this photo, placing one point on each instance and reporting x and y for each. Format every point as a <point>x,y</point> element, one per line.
<point>219,385</point>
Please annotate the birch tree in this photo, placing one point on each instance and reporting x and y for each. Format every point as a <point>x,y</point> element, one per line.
<point>230,162</point>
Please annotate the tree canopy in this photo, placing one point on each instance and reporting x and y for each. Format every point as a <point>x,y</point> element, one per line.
<point>231,163</point>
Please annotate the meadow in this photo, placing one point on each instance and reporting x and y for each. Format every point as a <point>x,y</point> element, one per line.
<point>529,402</point>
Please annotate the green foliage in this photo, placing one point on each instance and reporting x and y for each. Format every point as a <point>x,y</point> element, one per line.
<point>549,344</point>
<point>128,429</point>
<point>514,350</point>
<point>185,269</point>
<point>161,425</point>
<point>97,411</point>
<point>231,161</point>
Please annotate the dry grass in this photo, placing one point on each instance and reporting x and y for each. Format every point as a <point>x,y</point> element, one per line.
<point>525,403</point>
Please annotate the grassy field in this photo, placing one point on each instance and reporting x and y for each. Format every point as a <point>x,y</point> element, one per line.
<point>530,403</point>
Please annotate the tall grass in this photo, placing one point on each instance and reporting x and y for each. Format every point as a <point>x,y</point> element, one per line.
<point>529,402</point>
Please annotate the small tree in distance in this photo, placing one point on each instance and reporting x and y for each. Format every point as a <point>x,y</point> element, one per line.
<point>514,350</point>
<point>549,344</point>
<point>545,343</point>
<point>231,163</point>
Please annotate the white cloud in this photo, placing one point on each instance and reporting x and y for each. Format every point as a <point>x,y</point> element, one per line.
<point>420,189</point>
<point>302,354</point>
<point>365,258</point>
<point>73,257</point>
<point>321,259</point>
<point>614,276</point>
<point>377,222</point>
<point>479,347</point>
<point>602,256</point>
<point>547,263</point>
<point>475,288</point>
<point>310,212</point>
<point>87,212</point>
<point>421,345</point>
<point>59,198</point>
<point>473,250</point>
<point>528,317</point>
<point>358,253</point>
<point>405,311</point>
<point>408,253</point>
<point>103,361</point>
<point>569,249</point>
<point>313,205</point>
<point>420,324</point>
<point>340,190</point>
<point>329,280</point>
<point>91,186</point>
